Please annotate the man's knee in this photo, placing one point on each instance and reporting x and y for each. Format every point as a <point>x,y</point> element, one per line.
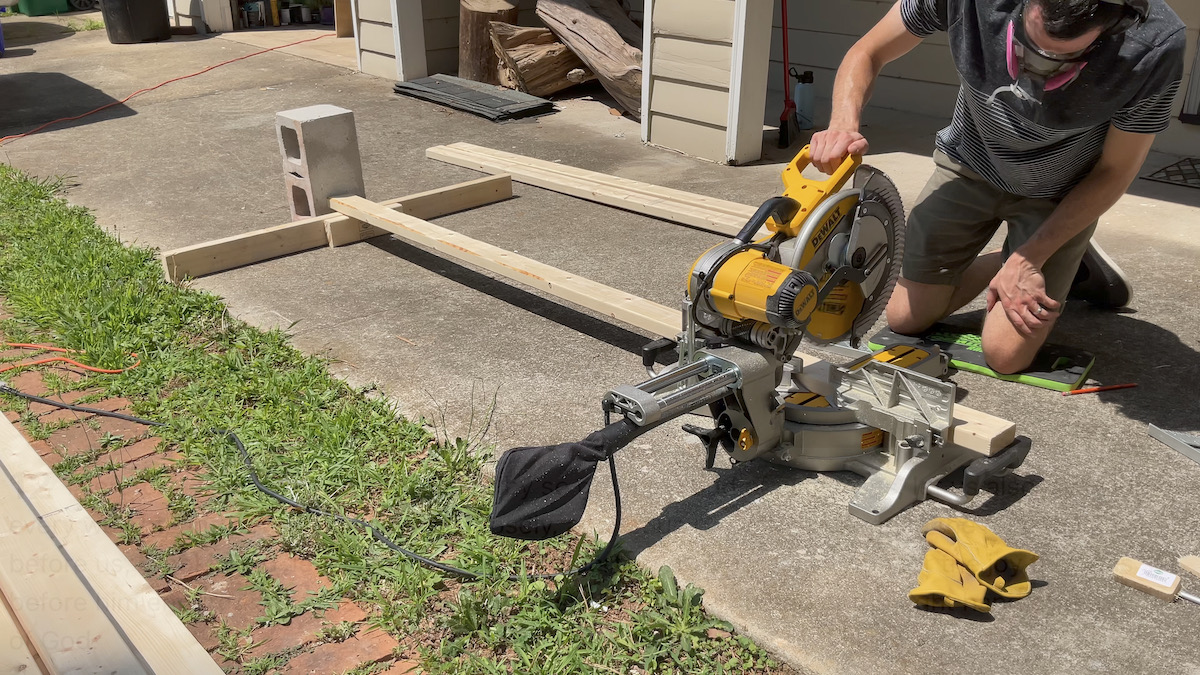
<point>1006,350</point>
<point>901,319</point>
<point>914,307</point>
<point>1008,359</point>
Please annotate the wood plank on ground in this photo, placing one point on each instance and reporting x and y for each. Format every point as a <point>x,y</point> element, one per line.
<point>278,240</point>
<point>741,211</point>
<point>63,621</point>
<point>647,315</point>
<point>706,213</point>
<point>90,576</point>
<point>974,430</point>
<point>17,655</point>
<point>425,205</point>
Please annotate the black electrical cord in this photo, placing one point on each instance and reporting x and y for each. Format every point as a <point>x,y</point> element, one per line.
<point>366,525</point>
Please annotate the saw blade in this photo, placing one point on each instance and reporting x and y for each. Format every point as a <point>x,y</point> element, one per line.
<point>880,220</point>
<point>877,187</point>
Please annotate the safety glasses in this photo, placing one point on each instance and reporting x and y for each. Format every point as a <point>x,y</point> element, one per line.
<point>1039,60</point>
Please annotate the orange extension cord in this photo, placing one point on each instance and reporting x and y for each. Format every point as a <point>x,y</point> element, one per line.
<point>56,359</point>
<point>139,92</point>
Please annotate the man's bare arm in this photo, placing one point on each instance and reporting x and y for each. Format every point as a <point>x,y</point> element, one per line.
<point>887,41</point>
<point>1020,286</point>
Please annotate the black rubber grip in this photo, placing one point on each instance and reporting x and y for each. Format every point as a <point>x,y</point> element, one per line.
<point>652,350</point>
<point>782,208</point>
<point>979,471</point>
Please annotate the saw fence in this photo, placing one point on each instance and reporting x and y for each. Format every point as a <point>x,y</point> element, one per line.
<point>356,219</point>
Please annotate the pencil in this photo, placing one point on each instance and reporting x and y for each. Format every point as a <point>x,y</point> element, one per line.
<point>1092,390</point>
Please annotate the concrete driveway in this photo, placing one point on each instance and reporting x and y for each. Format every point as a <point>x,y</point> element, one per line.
<point>776,549</point>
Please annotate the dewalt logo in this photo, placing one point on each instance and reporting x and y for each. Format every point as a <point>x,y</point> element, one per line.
<point>826,228</point>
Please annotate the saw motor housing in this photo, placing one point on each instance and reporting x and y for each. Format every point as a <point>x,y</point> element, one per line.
<point>823,272</point>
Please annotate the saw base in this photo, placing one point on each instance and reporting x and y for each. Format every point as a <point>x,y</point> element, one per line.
<point>818,435</point>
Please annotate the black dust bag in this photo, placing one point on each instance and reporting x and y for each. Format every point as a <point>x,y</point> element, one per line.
<point>541,492</point>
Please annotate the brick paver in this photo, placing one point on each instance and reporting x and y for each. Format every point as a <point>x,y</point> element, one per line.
<point>297,574</point>
<point>107,481</point>
<point>149,506</point>
<point>302,629</point>
<point>130,453</point>
<point>29,382</point>
<point>332,657</point>
<point>238,611</point>
<point>194,566</point>
<point>164,539</point>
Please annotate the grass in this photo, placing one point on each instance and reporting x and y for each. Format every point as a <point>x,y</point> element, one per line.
<point>317,440</point>
<point>86,25</point>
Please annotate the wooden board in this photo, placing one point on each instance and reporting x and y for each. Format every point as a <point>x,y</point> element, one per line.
<point>301,235</point>
<point>116,623</point>
<point>1191,563</point>
<point>705,213</point>
<point>62,620</point>
<point>16,653</point>
<point>341,230</point>
<point>973,430</point>
<point>639,312</point>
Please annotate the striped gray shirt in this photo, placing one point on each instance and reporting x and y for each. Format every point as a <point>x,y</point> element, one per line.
<point>1043,149</point>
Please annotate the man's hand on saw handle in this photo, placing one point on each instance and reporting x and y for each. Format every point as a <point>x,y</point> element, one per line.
<point>829,148</point>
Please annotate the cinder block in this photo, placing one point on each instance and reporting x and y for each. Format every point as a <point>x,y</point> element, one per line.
<point>300,197</point>
<point>319,147</point>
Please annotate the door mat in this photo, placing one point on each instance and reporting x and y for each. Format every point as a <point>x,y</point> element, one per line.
<point>486,100</point>
<point>1184,172</point>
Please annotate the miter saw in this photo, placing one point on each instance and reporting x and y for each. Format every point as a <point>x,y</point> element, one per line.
<point>817,263</point>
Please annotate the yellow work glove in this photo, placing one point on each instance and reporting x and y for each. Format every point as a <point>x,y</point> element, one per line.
<point>994,563</point>
<point>945,583</point>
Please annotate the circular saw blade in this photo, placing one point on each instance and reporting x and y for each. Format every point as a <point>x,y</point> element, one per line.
<point>882,213</point>
<point>876,186</point>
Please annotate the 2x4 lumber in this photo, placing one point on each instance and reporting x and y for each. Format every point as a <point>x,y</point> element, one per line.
<point>677,206</point>
<point>649,316</point>
<point>335,230</point>
<point>90,573</point>
<point>434,203</point>
<point>740,212</point>
<point>974,430</point>
<point>62,620</point>
<point>16,654</point>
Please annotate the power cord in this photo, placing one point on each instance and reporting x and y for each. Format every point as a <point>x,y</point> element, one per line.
<point>366,525</point>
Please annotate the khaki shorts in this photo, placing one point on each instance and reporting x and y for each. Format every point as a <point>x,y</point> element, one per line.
<point>956,215</point>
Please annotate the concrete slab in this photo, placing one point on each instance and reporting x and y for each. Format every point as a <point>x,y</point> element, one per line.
<point>328,49</point>
<point>776,549</point>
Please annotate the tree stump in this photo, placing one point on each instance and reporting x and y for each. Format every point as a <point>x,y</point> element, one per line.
<point>532,60</point>
<point>476,57</point>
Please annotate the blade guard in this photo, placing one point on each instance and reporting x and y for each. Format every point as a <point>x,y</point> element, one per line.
<point>809,193</point>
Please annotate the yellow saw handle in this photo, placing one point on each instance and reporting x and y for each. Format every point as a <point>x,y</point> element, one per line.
<point>809,193</point>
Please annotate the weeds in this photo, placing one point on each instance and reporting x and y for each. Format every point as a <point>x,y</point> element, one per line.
<point>86,25</point>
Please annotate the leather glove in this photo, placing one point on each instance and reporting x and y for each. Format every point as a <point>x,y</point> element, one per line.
<point>945,583</point>
<point>994,563</point>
